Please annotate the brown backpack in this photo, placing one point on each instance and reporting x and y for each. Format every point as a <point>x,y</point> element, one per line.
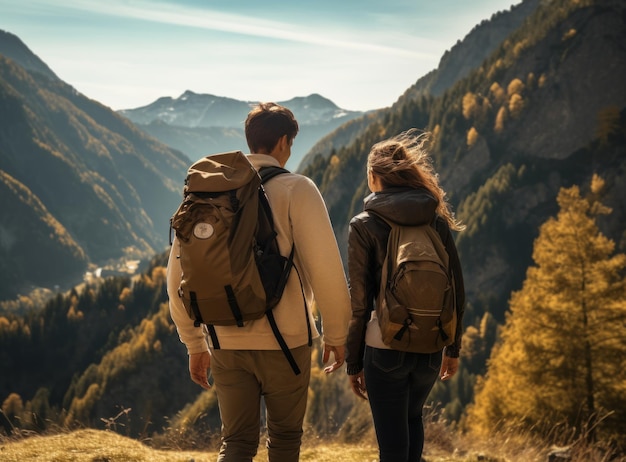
<point>232,270</point>
<point>415,306</point>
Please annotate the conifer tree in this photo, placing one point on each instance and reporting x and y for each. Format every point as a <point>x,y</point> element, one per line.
<point>560,356</point>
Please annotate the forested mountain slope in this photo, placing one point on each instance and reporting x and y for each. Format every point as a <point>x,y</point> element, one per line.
<point>466,55</point>
<point>545,110</point>
<point>81,186</point>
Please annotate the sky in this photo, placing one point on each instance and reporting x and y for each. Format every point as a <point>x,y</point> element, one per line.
<point>361,54</point>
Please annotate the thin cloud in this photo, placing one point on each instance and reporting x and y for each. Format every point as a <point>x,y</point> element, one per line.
<point>169,13</point>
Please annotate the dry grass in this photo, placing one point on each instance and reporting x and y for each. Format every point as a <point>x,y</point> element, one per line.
<point>106,446</point>
<point>91,446</point>
<point>442,445</point>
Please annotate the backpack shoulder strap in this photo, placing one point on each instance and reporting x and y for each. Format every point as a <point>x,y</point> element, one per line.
<point>269,172</point>
<point>266,174</point>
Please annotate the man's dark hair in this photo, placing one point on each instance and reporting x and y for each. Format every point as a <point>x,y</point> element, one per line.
<point>266,124</point>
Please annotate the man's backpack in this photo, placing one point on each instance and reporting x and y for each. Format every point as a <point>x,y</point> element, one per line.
<point>416,306</point>
<point>232,270</point>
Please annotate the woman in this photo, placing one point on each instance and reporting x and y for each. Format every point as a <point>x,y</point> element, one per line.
<point>405,190</point>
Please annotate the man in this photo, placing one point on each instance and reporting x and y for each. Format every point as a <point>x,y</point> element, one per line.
<point>249,363</point>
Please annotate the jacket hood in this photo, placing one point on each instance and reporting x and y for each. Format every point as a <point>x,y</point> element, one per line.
<point>403,206</point>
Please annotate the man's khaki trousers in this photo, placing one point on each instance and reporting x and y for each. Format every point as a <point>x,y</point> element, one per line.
<point>241,378</point>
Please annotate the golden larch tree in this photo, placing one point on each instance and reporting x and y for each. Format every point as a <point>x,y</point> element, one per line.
<point>516,105</point>
<point>472,137</point>
<point>470,105</point>
<point>560,356</point>
<point>501,118</point>
<point>497,94</point>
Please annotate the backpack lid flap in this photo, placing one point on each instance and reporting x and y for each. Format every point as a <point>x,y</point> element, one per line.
<point>220,172</point>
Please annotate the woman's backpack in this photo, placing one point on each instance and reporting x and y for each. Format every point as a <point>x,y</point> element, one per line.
<point>415,306</point>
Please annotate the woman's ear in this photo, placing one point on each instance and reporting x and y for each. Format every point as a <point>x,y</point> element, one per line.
<point>373,181</point>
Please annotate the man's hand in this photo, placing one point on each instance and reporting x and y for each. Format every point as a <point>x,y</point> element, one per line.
<point>339,353</point>
<point>449,366</point>
<point>199,365</point>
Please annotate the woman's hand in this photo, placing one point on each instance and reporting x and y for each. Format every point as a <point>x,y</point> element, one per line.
<point>357,382</point>
<point>449,366</point>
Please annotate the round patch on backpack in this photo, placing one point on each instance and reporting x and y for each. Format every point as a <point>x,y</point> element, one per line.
<point>203,230</point>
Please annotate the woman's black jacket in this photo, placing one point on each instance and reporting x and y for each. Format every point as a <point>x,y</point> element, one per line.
<point>367,246</point>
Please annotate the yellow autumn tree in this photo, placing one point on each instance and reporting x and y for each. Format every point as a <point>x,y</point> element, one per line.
<point>497,93</point>
<point>557,359</point>
<point>472,137</point>
<point>515,87</point>
<point>516,104</point>
<point>475,108</point>
<point>469,105</point>
<point>501,118</point>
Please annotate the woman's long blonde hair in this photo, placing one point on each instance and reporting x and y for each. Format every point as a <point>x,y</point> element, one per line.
<point>404,160</point>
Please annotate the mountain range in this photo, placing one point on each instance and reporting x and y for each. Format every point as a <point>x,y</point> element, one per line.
<point>202,124</point>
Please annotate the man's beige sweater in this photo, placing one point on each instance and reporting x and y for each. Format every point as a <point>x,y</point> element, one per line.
<point>300,216</point>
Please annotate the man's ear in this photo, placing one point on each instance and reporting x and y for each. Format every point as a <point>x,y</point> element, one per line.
<point>284,142</point>
<point>280,146</point>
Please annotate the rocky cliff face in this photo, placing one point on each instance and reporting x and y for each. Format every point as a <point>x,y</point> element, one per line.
<point>583,62</point>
